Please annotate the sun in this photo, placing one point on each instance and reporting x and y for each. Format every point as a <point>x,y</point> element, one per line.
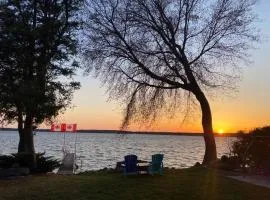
<point>220,131</point>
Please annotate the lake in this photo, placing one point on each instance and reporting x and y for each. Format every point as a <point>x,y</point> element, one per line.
<point>100,150</point>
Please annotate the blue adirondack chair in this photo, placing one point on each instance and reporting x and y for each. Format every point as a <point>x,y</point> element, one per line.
<point>156,166</point>
<point>130,165</point>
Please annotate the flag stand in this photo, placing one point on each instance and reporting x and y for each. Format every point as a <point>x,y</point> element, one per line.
<point>68,164</point>
<point>75,152</point>
<point>64,145</point>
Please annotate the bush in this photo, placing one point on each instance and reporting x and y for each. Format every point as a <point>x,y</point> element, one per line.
<point>44,163</point>
<point>7,161</point>
<point>226,163</point>
<point>252,149</point>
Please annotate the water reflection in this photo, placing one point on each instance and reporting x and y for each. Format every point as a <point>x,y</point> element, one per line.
<point>104,150</point>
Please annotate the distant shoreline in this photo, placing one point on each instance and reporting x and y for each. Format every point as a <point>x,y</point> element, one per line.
<point>133,132</point>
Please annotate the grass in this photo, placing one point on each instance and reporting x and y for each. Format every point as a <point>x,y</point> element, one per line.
<point>174,184</point>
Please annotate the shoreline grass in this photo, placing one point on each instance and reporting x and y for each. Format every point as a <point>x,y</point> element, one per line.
<point>174,184</point>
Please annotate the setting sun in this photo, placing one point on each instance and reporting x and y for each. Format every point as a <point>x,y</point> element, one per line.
<point>220,131</point>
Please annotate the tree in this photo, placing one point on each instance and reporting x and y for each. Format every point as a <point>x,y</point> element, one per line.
<point>252,149</point>
<point>37,48</point>
<point>150,51</point>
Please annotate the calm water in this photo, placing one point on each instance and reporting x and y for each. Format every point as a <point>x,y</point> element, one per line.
<point>104,150</point>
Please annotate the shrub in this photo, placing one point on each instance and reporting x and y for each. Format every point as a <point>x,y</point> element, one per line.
<point>44,163</point>
<point>7,161</point>
<point>226,163</point>
<point>252,149</point>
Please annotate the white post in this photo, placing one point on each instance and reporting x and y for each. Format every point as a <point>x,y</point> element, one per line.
<point>64,149</point>
<point>75,150</point>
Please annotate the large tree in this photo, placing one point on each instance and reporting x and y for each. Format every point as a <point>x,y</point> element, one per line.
<point>150,51</point>
<point>37,48</point>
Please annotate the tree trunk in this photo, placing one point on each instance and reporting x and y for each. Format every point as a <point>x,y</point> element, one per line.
<point>210,144</point>
<point>26,142</point>
<point>21,135</point>
<point>210,154</point>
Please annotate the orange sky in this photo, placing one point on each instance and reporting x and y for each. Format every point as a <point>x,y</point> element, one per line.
<point>244,110</point>
<point>248,108</point>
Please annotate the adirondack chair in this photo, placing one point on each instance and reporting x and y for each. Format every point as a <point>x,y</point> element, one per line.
<point>130,165</point>
<point>156,166</point>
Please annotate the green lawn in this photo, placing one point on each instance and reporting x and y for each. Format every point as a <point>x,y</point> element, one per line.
<point>174,184</point>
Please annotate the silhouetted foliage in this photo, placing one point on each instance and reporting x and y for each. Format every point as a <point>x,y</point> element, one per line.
<point>253,149</point>
<point>7,161</point>
<point>151,53</point>
<point>44,163</point>
<point>38,45</point>
<point>227,163</point>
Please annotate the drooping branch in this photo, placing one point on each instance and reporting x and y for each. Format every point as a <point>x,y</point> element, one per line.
<point>176,43</point>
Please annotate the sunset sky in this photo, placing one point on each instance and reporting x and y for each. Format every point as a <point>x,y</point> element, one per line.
<point>245,109</point>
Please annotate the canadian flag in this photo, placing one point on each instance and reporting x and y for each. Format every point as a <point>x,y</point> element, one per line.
<point>64,127</point>
<point>71,127</point>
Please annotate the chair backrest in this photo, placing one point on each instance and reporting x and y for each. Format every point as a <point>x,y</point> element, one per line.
<point>157,161</point>
<point>130,163</point>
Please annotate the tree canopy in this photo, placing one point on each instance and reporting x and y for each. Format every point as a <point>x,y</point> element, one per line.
<point>151,51</point>
<point>38,45</point>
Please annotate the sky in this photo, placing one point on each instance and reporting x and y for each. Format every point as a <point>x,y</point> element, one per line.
<point>245,109</point>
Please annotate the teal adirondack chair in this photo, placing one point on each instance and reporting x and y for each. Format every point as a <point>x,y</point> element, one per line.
<point>156,166</point>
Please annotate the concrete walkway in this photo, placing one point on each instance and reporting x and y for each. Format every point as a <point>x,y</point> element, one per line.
<point>259,180</point>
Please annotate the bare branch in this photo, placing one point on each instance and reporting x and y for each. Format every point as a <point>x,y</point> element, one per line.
<point>148,50</point>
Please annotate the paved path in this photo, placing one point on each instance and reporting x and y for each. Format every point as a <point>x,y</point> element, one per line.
<point>260,180</point>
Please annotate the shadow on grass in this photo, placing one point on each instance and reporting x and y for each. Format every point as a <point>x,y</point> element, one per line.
<point>174,184</point>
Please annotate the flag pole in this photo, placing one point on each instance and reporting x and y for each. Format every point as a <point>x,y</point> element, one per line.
<point>64,139</point>
<point>64,146</point>
<point>75,148</point>
<point>76,141</point>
